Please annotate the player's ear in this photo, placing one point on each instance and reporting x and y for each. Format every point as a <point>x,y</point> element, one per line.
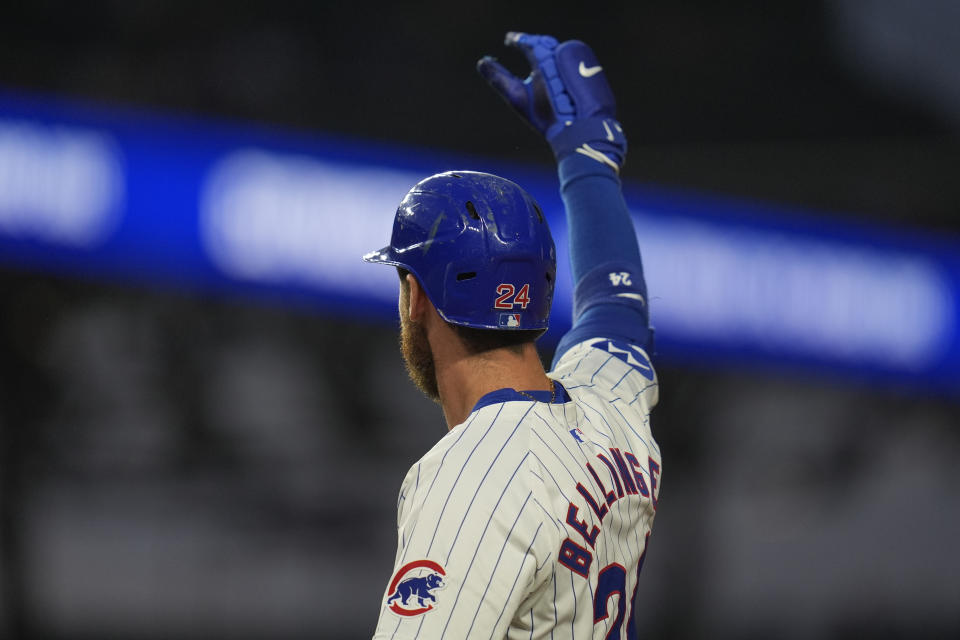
<point>417,300</point>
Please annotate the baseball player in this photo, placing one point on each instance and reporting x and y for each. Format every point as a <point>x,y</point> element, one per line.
<point>530,518</point>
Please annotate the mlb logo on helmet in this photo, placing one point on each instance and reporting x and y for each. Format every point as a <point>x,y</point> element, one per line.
<point>510,320</point>
<point>415,580</point>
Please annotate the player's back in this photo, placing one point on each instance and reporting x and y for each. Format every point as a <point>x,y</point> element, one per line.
<point>600,471</point>
<point>530,519</point>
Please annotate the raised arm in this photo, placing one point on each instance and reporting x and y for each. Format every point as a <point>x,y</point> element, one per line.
<point>567,99</point>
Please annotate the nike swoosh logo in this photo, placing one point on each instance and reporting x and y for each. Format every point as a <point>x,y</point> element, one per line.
<point>589,72</point>
<point>632,296</point>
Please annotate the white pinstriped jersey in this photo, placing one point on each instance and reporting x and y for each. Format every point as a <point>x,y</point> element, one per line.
<point>530,519</point>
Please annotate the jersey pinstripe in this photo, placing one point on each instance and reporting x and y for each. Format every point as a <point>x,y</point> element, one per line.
<point>530,519</point>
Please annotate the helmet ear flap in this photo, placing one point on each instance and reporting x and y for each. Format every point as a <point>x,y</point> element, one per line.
<point>478,244</point>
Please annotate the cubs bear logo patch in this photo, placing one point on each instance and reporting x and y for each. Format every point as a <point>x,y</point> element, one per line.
<point>411,590</point>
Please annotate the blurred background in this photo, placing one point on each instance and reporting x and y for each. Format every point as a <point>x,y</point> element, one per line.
<point>205,418</point>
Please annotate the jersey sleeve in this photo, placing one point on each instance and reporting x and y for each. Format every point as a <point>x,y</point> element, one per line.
<point>474,543</point>
<point>612,368</point>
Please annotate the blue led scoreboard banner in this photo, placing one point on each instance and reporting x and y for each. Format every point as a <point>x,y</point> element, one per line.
<point>285,217</point>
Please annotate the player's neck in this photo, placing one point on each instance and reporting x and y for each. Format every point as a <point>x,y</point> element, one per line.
<point>464,379</point>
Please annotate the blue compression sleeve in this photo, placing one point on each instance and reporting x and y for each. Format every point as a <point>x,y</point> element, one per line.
<point>597,217</point>
<point>610,298</point>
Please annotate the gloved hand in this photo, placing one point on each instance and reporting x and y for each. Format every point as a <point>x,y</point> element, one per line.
<point>566,97</point>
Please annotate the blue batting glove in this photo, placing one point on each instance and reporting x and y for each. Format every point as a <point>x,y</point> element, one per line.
<point>566,97</point>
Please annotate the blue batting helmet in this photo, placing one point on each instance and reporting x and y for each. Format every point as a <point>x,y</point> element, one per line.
<point>480,247</point>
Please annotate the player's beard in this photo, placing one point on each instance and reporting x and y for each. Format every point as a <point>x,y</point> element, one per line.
<point>418,357</point>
